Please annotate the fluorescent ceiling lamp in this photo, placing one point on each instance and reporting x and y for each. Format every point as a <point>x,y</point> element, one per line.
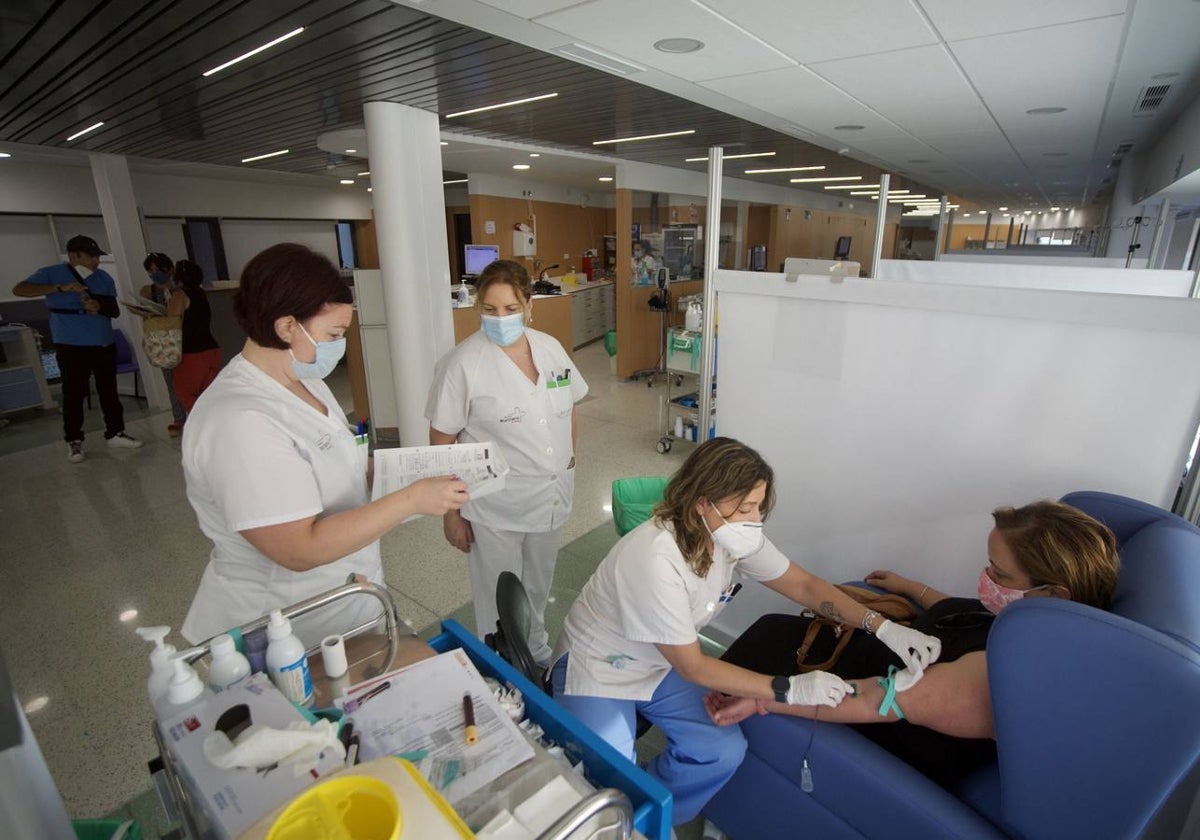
<point>855,187</point>
<point>264,157</point>
<point>520,166</point>
<point>346,181</point>
<point>456,181</point>
<point>255,51</point>
<point>1002,209</point>
<point>826,178</point>
<point>368,189</point>
<point>4,155</point>
<point>352,151</point>
<point>444,143</point>
<point>361,174</point>
<point>501,105</point>
<point>534,154</point>
<point>731,157</point>
<point>79,134</point>
<point>644,137</point>
<point>784,169</point>
<point>605,178</point>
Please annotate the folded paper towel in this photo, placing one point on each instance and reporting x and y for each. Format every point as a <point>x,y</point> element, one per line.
<point>261,747</point>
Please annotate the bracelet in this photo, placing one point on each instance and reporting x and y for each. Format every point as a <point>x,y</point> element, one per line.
<point>922,595</point>
<point>866,620</point>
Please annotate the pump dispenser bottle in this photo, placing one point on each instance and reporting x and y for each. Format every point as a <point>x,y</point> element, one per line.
<point>228,667</point>
<point>184,691</point>
<point>287,661</point>
<point>160,662</point>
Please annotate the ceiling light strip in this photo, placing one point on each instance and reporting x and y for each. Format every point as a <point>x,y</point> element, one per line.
<point>456,181</point>
<point>785,169</point>
<point>644,137</point>
<point>731,157</point>
<point>264,157</point>
<point>501,105</point>
<point>87,130</point>
<point>254,51</point>
<point>826,178</point>
<point>856,187</point>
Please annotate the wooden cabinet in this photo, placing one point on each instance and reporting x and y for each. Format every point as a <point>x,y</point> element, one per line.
<point>593,312</point>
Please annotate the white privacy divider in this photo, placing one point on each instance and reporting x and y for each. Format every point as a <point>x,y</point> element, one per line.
<point>1046,275</point>
<point>1044,256</point>
<point>898,415</point>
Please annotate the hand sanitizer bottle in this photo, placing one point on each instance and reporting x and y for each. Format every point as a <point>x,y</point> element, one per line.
<point>228,667</point>
<point>160,662</point>
<point>287,662</point>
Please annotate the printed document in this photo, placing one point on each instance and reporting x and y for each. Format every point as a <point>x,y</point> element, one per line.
<point>480,465</point>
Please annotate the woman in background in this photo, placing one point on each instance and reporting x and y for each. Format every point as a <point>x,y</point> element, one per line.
<point>201,360</point>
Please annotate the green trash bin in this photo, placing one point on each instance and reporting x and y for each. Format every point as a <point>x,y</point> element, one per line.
<point>610,342</point>
<point>106,829</point>
<point>634,499</point>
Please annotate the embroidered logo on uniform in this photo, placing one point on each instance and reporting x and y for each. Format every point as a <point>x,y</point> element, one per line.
<point>517,415</point>
<point>324,442</point>
<point>617,660</point>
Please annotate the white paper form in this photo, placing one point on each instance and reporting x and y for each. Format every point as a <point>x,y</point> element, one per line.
<point>421,717</point>
<point>480,465</point>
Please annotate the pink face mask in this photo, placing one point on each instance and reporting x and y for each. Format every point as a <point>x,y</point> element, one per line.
<point>995,597</point>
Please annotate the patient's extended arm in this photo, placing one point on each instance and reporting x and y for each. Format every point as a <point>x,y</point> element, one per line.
<point>952,698</point>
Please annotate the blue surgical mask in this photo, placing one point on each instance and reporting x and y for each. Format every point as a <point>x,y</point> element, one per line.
<point>159,277</point>
<point>329,353</point>
<point>504,329</point>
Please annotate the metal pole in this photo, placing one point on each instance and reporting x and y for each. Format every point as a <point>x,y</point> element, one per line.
<point>706,421</point>
<point>941,230</point>
<point>1008,240</point>
<point>1159,229</point>
<point>987,231</point>
<point>950,230</point>
<point>885,181</point>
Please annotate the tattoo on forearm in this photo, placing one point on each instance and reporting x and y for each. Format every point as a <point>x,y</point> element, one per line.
<point>831,612</point>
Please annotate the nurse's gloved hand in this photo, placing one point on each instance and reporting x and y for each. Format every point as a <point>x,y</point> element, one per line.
<point>437,496</point>
<point>819,688</point>
<point>916,650</point>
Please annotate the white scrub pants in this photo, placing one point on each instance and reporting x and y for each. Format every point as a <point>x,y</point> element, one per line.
<point>530,557</point>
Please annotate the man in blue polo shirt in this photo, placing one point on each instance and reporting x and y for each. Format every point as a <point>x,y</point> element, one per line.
<point>82,301</point>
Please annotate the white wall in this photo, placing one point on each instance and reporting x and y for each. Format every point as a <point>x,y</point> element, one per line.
<point>1176,154</point>
<point>897,416</point>
<point>481,183</point>
<point>166,237</point>
<point>27,246</point>
<point>244,238</point>
<point>1046,275</point>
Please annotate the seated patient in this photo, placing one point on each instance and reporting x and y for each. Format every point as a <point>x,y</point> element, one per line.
<point>1042,550</point>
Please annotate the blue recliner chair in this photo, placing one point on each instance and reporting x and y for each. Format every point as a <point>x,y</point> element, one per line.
<point>1097,722</point>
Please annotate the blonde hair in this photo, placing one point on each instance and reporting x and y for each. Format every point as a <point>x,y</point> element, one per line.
<point>508,273</point>
<point>1058,545</point>
<point>718,469</point>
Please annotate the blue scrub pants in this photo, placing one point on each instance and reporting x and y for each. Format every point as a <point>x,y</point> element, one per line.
<point>700,757</point>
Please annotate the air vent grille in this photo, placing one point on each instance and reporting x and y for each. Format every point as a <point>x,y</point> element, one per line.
<point>1150,100</point>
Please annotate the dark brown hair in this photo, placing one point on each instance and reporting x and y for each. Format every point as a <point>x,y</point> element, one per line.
<point>718,469</point>
<point>1058,545</point>
<point>510,274</point>
<point>159,260</point>
<point>286,279</point>
<point>188,274</point>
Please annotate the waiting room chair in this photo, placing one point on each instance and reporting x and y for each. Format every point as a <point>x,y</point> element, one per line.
<point>127,361</point>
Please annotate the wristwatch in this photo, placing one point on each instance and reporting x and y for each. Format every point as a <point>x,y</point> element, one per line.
<point>780,686</point>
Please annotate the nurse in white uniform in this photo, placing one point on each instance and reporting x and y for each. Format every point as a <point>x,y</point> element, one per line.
<point>276,477</point>
<point>517,387</point>
<point>630,644</point>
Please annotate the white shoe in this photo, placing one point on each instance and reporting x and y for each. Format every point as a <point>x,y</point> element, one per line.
<point>75,451</point>
<point>123,441</point>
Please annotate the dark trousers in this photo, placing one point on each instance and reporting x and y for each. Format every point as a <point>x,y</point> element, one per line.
<point>77,364</point>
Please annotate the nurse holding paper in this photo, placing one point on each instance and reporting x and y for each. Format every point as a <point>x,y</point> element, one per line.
<point>517,387</point>
<point>275,474</point>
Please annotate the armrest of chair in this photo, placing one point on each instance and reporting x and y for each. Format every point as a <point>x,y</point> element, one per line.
<point>1095,719</point>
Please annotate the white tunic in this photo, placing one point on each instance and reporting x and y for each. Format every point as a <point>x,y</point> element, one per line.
<point>479,393</point>
<point>641,595</point>
<point>255,454</point>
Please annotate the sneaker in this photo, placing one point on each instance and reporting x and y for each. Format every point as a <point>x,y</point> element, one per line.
<point>175,429</point>
<point>75,451</point>
<point>123,441</point>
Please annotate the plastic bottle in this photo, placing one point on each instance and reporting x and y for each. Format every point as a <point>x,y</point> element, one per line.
<point>678,426</point>
<point>185,690</point>
<point>160,662</point>
<point>228,667</point>
<point>287,662</point>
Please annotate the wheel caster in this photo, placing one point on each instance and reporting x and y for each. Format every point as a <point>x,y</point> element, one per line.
<point>663,446</point>
<point>678,381</point>
<point>650,383</point>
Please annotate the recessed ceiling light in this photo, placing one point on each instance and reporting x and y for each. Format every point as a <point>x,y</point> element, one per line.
<point>363,174</point>
<point>87,130</point>
<point>605,178</point>
<point>520,166</point>
<point>1002,209</point>
<point>501,105</point>
<point>855,187</point>
<point>368,189</point>
<point>4,155</point>
<point>965,215</point>
<point>826,178</point>
<point>784,169</point>
<point>731,157</point>
<point>1038,112</point>
<point>456,181</point>
<point>678,45</point>
<point>644,137</point>
<point>444,143</point>
<point>1054,209</point>
<point>534,154</point>
<point>254,51</point>
<point>346,181</point>
<point>263,157</point>
<point>352,151</point>
<point>848,127</point>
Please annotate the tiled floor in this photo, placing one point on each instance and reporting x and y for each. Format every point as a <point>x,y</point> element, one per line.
<point>87,544</point>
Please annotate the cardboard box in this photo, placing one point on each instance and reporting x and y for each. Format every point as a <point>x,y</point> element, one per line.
<point>227,802</point>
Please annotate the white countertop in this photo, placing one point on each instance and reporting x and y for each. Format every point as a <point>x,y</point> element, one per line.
<point>573,288</point>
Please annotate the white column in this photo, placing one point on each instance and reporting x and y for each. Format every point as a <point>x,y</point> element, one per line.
<point>410,223</point>
<point>940,239</point>
<point>1162,236</point>
<point>123,225</point>
<point>885,181</point>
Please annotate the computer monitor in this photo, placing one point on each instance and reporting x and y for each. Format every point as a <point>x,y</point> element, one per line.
<point>842,251</point>
<point>479,257</point>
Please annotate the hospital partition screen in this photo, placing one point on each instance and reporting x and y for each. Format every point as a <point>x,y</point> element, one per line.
<point>898,415</point>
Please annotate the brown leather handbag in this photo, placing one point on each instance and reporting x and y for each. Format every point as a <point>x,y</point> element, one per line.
<point>894,607</point>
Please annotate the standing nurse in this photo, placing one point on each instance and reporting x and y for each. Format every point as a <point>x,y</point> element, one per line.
<point>277,479</point>
<point>517,387</point>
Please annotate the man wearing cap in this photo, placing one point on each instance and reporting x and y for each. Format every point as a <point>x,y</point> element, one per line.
<point>82,301</point>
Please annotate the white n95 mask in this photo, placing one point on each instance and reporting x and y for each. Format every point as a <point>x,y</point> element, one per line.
<point>739,539</point>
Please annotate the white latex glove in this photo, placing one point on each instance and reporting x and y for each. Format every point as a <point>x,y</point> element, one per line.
<point>917,650</point>
<point>906,679</point>
<point>818,688</point>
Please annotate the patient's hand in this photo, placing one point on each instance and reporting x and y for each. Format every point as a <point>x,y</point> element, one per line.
<point>726,710</point>
<point>889,580</point>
